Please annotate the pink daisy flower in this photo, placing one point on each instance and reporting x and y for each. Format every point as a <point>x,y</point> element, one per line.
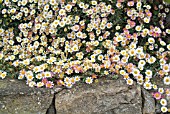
<point>157,95</point>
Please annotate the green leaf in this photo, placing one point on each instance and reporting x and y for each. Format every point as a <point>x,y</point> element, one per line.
<point>167,1</point>
<point>115,77</point>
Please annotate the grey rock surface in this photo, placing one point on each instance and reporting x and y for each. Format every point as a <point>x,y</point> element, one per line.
<point>17,98</point>
<point>148,102</point>
<point>105,97</point>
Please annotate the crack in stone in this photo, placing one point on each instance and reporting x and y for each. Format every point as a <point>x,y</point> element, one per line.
<point>143,100</point>
<point>52,109</point>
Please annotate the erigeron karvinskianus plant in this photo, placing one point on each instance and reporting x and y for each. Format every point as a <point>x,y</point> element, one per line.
<point>62,43</point>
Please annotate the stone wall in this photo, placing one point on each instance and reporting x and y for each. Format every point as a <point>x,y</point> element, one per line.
<point>104,97</point>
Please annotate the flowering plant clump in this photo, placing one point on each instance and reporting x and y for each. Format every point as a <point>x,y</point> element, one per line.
<point>50,42</point>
